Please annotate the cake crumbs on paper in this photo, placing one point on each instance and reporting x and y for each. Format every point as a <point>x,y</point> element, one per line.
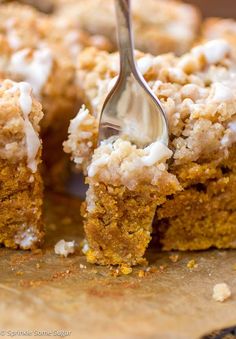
<point>221,292</point>
<point>150,270</point>
<point>64,248</point>
<point>124,269</point>
<point>192,264</point>
<point>19,273</point>
<point>141,273</point>
<point>174,257</point>
<point>82,266</point>
<point>161,267</point>
<point>121,270</point>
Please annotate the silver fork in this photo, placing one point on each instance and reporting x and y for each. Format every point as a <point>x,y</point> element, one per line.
<point>131,110</point>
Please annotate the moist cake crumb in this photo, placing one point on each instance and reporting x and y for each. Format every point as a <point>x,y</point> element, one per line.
<point>221,292</point>
<point>192,264</point>
<point>124,269</point>
<point>174,257</point>
<point>82,266</point>
<point>64,248</point>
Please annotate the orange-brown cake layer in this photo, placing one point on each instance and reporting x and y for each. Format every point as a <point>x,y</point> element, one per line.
<point>203,215</point>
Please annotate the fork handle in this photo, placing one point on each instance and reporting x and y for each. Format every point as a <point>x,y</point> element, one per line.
<point>124,32</point>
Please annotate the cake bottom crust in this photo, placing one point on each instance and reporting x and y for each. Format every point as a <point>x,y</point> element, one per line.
<point>21,223</point>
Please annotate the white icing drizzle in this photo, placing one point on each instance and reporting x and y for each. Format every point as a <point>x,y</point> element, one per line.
<point>232,126</point>
<point>157,152</point>
<point>80,119</point>
<point>12,37</point>
<point>32,139</point>
<point>230,135</point>
<point>129,156</point>
<point>214,50</point>
<point>36,70</point>
<point>96,164</point>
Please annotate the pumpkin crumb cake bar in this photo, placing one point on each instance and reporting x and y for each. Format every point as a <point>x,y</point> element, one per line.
<point>194,197</point>
<point>20,181</point>
<point>126,185</point>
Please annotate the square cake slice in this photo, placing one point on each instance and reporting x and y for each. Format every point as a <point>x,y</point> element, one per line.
<point>20,153</point>
<point>126,184</point>
<point>198,94</point>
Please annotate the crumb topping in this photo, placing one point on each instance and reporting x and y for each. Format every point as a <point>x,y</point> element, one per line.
<point>120,162</point>
<point>197,92</point>
<point>221,292</point>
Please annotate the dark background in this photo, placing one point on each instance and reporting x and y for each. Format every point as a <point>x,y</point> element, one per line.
<point>222,8</point>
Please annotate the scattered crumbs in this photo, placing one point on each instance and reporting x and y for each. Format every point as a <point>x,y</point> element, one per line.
<point>192,264</point>
<point>161,267</point>
<point>85,246</point>
<point>124,269</point>
<point>38,265</point>
<point>82,266</point>
<point>66,221</point>
<point>174,257</point>
<point>19,273</point>
<point>221,292</point>
<point>64,248</point>
<point>149,270</point>
<point>141,273</point>
<point>61,275</point>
